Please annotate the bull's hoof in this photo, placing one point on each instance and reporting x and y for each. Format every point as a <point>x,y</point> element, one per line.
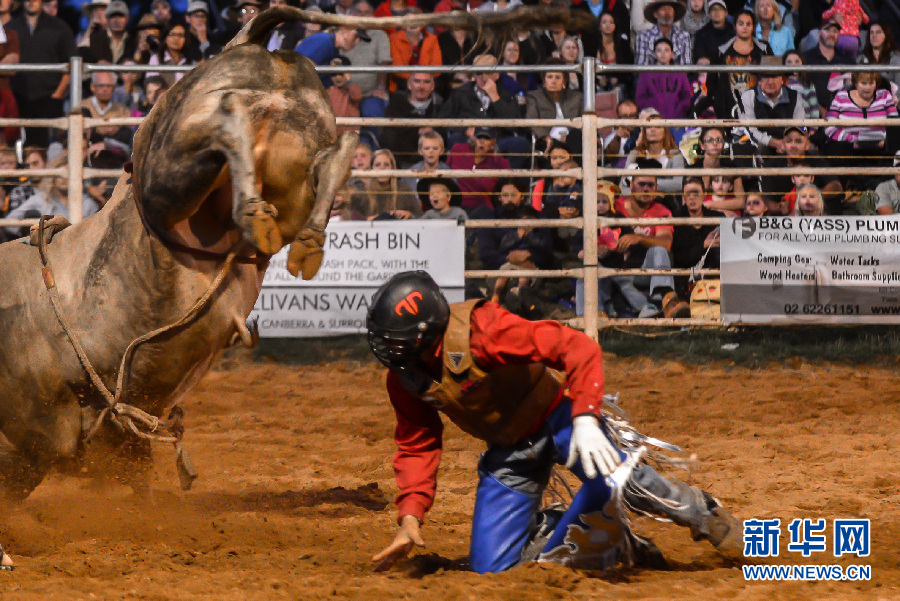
<point>305,258</point>
<point>261,231</point>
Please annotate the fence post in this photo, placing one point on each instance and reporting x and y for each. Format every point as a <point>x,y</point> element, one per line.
<point>76,139</point>
<point>589,208</point>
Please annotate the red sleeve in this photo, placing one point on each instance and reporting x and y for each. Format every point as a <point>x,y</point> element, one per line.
<point>418,437</point>
<point>502,338</point>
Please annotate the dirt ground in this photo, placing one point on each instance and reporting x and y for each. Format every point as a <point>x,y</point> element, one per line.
<point>295,492</point>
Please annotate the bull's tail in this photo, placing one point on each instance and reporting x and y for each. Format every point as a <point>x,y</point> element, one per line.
<point>523,17</point>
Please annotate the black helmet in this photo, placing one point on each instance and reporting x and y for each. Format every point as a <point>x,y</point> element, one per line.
<point>408,315</point>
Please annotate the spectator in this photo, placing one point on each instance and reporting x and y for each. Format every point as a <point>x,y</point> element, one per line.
<point>618,13</point>
<point>456,45</point>
<point>656,142</point>
<point>42,39</point>
<point>742,50</point>
<point>613,49</point>
<point>800,83</point>
<point>511,194</point>
<point>162,12</point>
<point>670,92</point>
<point>722,198</point>
<point>711,156</point>
<point>112,44</point>
<point>149,41</point>
<point>881,50</point>
<point>694,245</point>
<point>553,100</point>
<point>418,102</point>
<point>617,145</point>
<point>850,15</point>
<point>431,147</point>
<point>374,50</point>
<point>663,14</point>
<point>798,150</point>
<point>557,154</point>
<point>861,144</point>
<point>773,26</point>
<point>824,53</point>
<point>412,46</point>
<point>109,146</point>
<point>695,18</point>
<point>701,106</point>
<point>130,94</point>
<point>287,35</point>
<point>570,53</point>
<point>800,180</point>
<point>809,202</point>
<point>154,88</point>
<point>344,95</point>
<point>714,34</point>
<point>94,12</point>
<point>887,193</point>
<point>35,158</point>
<point>172,53</point>
<point>442,196</point>
<point>769,99</point>
<point>477,154</point>
<point>386,197</point>
<point>9,55</point>
<point>362,161</point>
<point>754,206</point>
<point>323,47</point>
<point>200,47</point>
<point>482,99</point>
<point>51,198</point>
<point>516,84</point>
<point>342,206</point>
<point>648,247</point>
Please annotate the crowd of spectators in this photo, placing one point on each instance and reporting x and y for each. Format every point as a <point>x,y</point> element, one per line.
<point>836,33</point>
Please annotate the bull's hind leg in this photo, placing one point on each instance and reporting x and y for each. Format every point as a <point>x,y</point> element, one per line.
<point>330,170</point>
<point>235,137</point>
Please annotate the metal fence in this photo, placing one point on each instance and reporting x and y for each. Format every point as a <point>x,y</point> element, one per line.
<point>589,123</point>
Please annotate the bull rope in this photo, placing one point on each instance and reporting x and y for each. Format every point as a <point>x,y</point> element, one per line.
<point>128,417</point>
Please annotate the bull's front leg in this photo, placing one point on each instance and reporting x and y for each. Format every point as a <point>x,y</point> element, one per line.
<point>255,217</point>
<point>330,172</point>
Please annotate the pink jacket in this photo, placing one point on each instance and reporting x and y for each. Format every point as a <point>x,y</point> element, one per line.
<point>853,16</point>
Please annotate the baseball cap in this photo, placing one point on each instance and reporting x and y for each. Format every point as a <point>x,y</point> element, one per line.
<point>799,128</point>
<point>117,7</point>
<point>197,6</point>
<point>830,23</point>
<point>716,3</point>
<point>485,132</point>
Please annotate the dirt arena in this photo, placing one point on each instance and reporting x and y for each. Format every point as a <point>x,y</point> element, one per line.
<point>296,486</point>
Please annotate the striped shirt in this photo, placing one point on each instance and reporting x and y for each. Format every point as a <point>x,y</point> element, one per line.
<point>842,107</point>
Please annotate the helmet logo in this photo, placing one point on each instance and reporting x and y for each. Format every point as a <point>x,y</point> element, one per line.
<point>408,304</point>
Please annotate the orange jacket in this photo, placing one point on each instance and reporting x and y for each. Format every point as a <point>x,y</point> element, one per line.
<point>403,53</point>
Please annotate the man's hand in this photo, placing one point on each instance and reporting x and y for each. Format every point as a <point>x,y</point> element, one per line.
<point>593,446</point>
<point>777,145</point>
<point>490,88</point>
<point>407,538</point>
<point>627,241</point>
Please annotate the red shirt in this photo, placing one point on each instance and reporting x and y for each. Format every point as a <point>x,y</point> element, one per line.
<point>655,210</point>
<point>498,338</point>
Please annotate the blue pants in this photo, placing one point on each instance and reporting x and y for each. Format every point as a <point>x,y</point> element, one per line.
<point>511,481</point>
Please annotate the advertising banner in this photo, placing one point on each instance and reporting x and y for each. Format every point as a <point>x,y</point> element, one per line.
<point>359,257</point>
<point>840,270</point>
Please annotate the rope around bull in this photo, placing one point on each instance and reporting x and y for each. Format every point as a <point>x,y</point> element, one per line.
<point>128,417</point>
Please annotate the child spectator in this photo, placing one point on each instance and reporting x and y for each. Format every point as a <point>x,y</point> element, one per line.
<point>385,196</point>
<point>721,196</point>
<point>754,206</point>
<point>345,96</point>
<point>800,82</point>
<point>342,206</point>
<point>799,180</point>
<point>441,197</point>
<point>809,202</point>
<point>668,93</point>
<point>849,15</point>
<point>693,244</point>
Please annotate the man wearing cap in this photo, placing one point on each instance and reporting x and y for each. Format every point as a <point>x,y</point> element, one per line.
<point>887,193</point>
<point>323,47</point>
<point>477,154</point>
<point>199,44</point>
<point>419,101</point>
<point>715,33</point>
<point>95,13</point>
<point>663,14</point>
<point>770,99</point>
<point>824,53</point>
<point>42,39</point>
<point>344,96</point>
<point>112,44</point>
<point>373,52</point>
<point>797,149</point>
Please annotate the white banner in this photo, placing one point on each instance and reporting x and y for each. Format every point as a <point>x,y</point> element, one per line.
<point>359,257</point>
<point>811,270</point>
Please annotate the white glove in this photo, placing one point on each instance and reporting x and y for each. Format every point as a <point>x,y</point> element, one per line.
<point>593,446</point>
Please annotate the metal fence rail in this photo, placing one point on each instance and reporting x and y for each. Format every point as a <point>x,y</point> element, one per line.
<point>589,123</point>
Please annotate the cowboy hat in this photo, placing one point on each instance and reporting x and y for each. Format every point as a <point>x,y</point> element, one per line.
<point>650,9</point>
<point>423,188</point>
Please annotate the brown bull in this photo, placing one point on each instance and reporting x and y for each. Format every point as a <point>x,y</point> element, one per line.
<point>239,158</point>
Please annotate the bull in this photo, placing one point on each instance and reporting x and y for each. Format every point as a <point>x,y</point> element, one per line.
<point>109,322</point>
